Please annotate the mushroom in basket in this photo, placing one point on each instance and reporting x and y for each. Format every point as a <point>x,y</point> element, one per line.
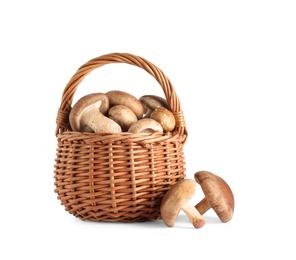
<point>88,115</point>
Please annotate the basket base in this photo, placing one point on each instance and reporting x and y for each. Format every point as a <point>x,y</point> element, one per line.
<point>101,213</point>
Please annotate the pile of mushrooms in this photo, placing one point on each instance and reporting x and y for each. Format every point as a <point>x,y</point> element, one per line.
<point>218,196</point>
<point>118,111</point>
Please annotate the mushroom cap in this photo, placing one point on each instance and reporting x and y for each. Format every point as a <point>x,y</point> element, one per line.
<point>165,117</point>
<point>151,102</point>
<point>175,198</point>
<point>118,97</point>
<point>145,125</point>
<point>218,194</point>
<point>95,101</point>
<point>123,116</point>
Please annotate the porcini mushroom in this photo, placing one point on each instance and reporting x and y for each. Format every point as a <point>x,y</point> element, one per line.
<point>165,117</point>
<point>218,195</point>
<point>151,102</point>
<point>118,97</point>
<point>177,199</point>
<point>145,125</point>
<point>87,115</point>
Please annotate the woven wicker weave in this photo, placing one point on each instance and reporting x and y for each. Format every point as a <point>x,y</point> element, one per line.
<point>117,177</point>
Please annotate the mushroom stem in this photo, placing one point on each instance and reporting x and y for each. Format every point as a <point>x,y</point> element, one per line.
<point>194,215</point>
<point>89,117</point>
<point>93,120</point>
<point>203,206</point>
<point>177,199</point>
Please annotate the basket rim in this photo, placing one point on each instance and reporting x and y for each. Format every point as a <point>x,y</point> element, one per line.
<point>123,137</point>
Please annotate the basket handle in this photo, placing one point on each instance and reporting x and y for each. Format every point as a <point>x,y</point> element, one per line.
<point>173,102</point>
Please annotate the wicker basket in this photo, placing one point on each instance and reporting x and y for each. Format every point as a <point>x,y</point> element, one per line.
<point>117,177</point>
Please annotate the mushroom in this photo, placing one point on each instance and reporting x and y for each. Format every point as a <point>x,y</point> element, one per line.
<point>123,116</point>
<point>177,199</point>
<point>218,195</point>
<point>151,102</point>
<point>165,117</point>
<point>87,115</point>
<point>117,97</point>
<point>145,125</point>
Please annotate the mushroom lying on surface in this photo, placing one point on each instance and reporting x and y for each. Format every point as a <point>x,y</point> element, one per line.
<point>218,195</point>
<point>177,199</point>
<point>87,115</point>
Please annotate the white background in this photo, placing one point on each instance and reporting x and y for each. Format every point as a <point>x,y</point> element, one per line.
<point>233,66</point>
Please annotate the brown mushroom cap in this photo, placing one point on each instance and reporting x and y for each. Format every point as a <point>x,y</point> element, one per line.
<point>123,116</point>
<point>177,199</point>
<point>165,117</point>
<point>218,195</point>
<point>117,97</point>
<point>95,102</point>
<point>151,102</point>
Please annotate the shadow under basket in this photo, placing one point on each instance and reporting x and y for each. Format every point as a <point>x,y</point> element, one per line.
<point>118,177</point>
